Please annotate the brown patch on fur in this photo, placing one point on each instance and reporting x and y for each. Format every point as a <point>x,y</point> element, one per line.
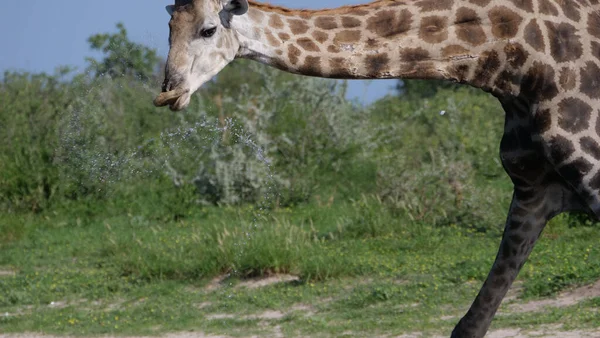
<point>348,36</point>
<point>339,69</point>
<point>542,120</point>
<point>273,41</point>
<point>308,45</point>
<point>567,78</point>
<point>434,5</point>
<point>487,65</point>
<point>574,115</point>
<point>459,72</point>
<point>284,36</point>
<point>350,22</point>
<point>590,80</point>
<point>293,54</point>
<point>594,24</point>
<point>275,21</point>
<point>546,7</point>
<point>534,37</point>
<point>326,22</point>
<point>481,3</point>
<point>333,49</point>
<point>596,49</point>
<point>538,83</point>
<point>505,22</point>
<point>312,66</point>
<point>377,64</point>
<point>256,15</point>
<point>515,54</point>
<point>453,50</point>
<point>434,29</point>
<point>590,146</point>
<point>320,36</point>
<point>468,26</point>
<point>298,26</point>
<point>570,9</point>
<point>389,23</point>
<point>560,149</point>
<point>526,5</point>
<point>564,42</point>
<point>414,54</point>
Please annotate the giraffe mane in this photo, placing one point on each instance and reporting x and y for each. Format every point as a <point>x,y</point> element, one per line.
<point>304,12</point>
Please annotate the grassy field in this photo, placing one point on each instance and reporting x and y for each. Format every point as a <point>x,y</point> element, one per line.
<point>344,269</point>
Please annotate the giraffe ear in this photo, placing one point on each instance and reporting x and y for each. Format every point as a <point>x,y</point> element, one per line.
<point>236,7</point>
<point>170,9</point>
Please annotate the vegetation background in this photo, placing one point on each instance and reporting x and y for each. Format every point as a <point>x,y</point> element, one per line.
<point>118,217</point>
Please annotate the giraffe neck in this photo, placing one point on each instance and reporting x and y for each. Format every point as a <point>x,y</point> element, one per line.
<point>427,39</point>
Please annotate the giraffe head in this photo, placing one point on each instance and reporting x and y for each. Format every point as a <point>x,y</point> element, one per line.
<point>201,45</point>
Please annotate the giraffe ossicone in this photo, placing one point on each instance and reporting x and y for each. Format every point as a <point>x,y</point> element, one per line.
<point>540,58</point>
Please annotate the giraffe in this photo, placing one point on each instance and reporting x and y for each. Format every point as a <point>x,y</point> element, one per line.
<point>539,58</point>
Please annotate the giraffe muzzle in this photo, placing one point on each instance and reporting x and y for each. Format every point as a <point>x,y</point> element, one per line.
<point>171,98</point>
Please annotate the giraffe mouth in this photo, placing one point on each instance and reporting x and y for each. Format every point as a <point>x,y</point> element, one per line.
<point>176,99</point>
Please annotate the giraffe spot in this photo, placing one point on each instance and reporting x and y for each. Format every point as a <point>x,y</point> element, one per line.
<point>434,29</point>
<point>298,26</point>
<point>275,21</point>
<point>293,54</point>
<point>594,24</point>
<point>308,45</point>
<point>350,22</point>
<point>499,269</point>
<point>546,7</point>
<point>542,120</point>
<point>390,23</point>
<point>526,5</point>
<point>320,36</point>
<point>567,78</point>
<point>348,36</point>
<point>590,80</point>
<point>595,182</point>
<point>358,12</point>
<point>312,66</point>
<point>256,15</point>
<point>505,22</point>
<point>506,81</point>
<point>560,149</point>
<point>333,49</point>
<point>570,9</point>
<point>414,54</point>
<point>487,65</point>
<point>326,22</point>
<point>574,115</point>
<point>338,68</point>
<point>454,50</point>
<point>534,37</point>
<point>564,42</point>
<point>538,83</point>
<point>590,146</point>
<point>434,5</point>
<point>499,282</point>
<point>468,27</point>
<point>516,56</point>
<point>377,64</point>
<point>284,36</point>
<point>459,72</point>
<point>372,43</point>
<point>279,52</point>
<point>596,49</point>
<point>481,3</point>
<point>272,39</point>
<point>574,170</point>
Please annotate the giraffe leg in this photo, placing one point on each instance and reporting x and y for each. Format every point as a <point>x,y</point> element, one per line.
<point>529,212</point>
<point>540,193</point>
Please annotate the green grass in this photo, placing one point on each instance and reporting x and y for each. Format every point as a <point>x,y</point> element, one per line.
<point>362,272</point>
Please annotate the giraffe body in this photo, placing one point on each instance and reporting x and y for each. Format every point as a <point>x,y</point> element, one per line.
<point>540,58</point>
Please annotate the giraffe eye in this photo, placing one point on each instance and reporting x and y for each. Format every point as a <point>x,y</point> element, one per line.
<point>208,32</point>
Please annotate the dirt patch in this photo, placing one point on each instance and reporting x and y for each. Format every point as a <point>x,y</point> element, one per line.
<point>566,298</point>
<point>266,281</point>
<point>7,273</point>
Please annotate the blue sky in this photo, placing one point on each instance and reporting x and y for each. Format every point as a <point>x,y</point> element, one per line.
<point>39,35</point>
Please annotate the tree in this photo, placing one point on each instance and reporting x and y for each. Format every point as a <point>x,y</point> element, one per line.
<point>122,57</point>
<point>419,89</point>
